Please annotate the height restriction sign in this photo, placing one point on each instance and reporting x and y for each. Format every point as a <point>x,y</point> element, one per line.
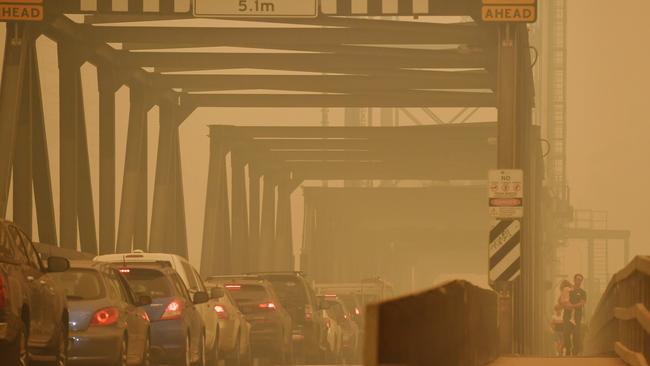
<point>506,193</point>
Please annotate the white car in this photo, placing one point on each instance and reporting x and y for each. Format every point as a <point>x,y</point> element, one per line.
<point>192,281</point>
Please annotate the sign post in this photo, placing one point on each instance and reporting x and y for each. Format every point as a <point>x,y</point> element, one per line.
<point>21,10</point>
<point>256,8</point>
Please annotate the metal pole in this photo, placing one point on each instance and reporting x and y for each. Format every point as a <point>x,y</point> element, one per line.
<point>507,159</point>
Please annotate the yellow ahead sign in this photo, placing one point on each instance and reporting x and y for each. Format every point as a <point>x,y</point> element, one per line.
<point>520,11</point>
<point>21,10</point>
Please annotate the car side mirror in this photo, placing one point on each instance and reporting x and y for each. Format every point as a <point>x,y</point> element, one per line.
<point>57,264</point>
<point>324,305</point>
<point>200,297</point>
<point>144,300</point>
<point>216,293</point>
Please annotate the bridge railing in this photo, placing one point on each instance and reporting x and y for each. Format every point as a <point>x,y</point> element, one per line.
<point>621,322</point>
<point>453,324</point>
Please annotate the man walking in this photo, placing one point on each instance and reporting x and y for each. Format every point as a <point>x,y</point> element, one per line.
<point>578,297</point>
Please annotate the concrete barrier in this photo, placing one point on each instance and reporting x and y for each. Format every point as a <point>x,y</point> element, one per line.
<point>453,324</point>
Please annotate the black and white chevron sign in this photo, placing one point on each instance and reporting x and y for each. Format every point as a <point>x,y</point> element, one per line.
<point>504,251</point>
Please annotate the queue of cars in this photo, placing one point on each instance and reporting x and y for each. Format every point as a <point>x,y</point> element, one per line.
<point>148,308</point>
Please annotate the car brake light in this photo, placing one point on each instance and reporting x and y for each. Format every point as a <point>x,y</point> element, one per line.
<point>3,293</point>
<point>125,270</point>
<point>221,312</point>
<point>106,316</point>
<point>330,295</point>
<point>174,310</point>
<point>233,287</point>
<point>267,305</point>
<point>308,312</point>
<point>357,311</point>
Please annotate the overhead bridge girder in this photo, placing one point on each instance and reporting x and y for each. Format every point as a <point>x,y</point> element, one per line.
<point>329,83</point>
<point>450,34</point>
<point>396,99</point>
<point>316,62</point>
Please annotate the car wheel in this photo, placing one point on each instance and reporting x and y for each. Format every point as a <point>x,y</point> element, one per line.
<point>16,352</point>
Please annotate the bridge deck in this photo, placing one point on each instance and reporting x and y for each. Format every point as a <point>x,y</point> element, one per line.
<point>557,361</point>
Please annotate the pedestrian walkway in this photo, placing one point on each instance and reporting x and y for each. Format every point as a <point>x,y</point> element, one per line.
<point>557,361</point>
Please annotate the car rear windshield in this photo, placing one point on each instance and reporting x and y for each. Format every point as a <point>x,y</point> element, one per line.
<point>149,282</point>
<point>248,294</point>
<point>80,284</point>
<point>290,290</point>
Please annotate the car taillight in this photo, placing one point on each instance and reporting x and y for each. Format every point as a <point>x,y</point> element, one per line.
<point>308,312</point>
<point>221,312</point>
<point>145,316</point>
<point>125,270</point>
<point>3,293</point>
<point>267,305</point>
<point>174,310</point>
<point>106,316</point>
<point>357,311</point>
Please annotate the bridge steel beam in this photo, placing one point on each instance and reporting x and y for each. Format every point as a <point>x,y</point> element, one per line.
<point>163,220</point>
<point>397,99</point>
<point>85,204</point>
<point>132,228</point>
<point>330,83</point>
<point>268,222</point>
<point>215,253</point>
<point>324,62</point>
<point>23,174</point>
<point>240,228</point>
<point>43,196</point>
<point>283,259</point>
<point>69,70</point>
<point>107,85</point>
<point>16,55</point>
<point>259,37</point>
<point>253,216</point>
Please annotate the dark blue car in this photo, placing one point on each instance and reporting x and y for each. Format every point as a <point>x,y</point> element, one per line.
<point>177,331</point>
<point>107,324</point>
